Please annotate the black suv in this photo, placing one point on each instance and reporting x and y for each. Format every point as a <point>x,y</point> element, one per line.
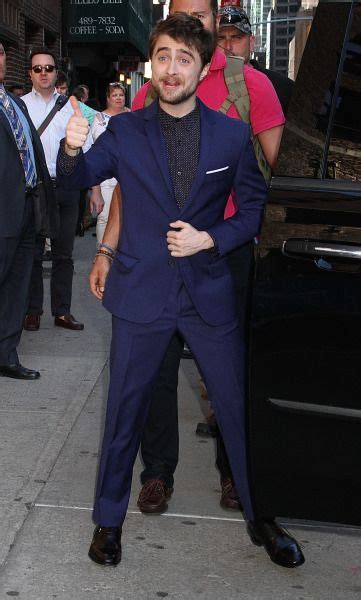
<point>305,351</point>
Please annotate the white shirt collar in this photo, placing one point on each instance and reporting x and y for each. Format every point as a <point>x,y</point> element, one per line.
<point>38,95</point>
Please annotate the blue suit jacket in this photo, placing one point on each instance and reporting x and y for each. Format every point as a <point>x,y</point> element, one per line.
<point>133,150</point>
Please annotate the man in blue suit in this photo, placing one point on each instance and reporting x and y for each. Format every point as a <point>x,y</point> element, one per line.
<point>176,163</point>
<point>26,203</point>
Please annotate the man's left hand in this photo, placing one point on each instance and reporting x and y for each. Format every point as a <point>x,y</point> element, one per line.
<point>187,240</point>
<point>96,202</point>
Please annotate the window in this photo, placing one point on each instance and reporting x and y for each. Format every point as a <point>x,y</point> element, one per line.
<point>304,138</point>
<point>344,156</point>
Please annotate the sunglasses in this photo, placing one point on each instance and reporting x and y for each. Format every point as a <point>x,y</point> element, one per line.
<point>233,17</point>
<point>41,68</point>
<point>116,84</point>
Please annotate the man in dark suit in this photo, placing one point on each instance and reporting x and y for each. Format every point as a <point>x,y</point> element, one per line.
<point>176,163</point>
<point>22,167</point>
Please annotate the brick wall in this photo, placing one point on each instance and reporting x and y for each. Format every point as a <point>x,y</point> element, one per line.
<point>38,24</point>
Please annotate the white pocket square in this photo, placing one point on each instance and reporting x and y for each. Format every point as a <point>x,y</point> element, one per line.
<point>217,170</point>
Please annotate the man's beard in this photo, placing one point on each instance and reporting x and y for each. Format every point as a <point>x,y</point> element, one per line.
<point>182,96</point>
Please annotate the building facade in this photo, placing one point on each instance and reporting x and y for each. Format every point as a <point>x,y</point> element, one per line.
<point>96,41</point>
<point>259,15</point>
<point>106,41</point>
<point>25,24</point>
<point>280,31</point>
<point>297,45</point>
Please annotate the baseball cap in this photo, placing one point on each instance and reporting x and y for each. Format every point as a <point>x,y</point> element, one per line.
<point>236,17</point>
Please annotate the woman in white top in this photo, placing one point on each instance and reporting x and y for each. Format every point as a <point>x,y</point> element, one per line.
<point>115,96</point>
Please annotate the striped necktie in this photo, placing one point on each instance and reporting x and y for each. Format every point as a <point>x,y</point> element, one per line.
<point>19,135</point>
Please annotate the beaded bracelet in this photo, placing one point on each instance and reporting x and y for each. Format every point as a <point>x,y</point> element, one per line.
<point>103,253</point>
<point>109,248</point>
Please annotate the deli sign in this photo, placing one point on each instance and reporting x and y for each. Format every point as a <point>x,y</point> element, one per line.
<point>122,21</point>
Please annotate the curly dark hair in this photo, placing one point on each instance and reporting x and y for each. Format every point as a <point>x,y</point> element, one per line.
<point>186,29</point>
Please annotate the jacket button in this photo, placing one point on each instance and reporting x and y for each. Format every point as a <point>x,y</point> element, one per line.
<point>171,262</point>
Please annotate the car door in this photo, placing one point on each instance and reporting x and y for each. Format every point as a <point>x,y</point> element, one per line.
<point>305,336</point>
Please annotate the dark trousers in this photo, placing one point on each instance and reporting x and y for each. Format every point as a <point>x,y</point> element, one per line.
<point>62,263</point>
<point>16,259</point>
<point>137,351</point>
<point>160,441</point>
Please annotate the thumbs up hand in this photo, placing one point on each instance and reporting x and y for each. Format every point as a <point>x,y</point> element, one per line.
<point>77,128</point>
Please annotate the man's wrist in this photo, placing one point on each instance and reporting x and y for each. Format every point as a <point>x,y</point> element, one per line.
<point>214,247</point>
<point>208,242</point>
<point>101,255</point>
<point>71,150</point>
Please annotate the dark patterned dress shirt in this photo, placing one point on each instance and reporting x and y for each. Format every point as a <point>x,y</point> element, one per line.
<point>182,140</point>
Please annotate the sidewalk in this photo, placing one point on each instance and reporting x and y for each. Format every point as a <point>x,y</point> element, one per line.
<point>49,439</point>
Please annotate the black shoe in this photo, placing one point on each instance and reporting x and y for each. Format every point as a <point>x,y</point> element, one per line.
<point>208,428</point>
<point>186,352</point>
<point>18,372</point>
<point>106,548</point>
<point>80,229</point>
<point>68,322</point>
<point>47,255</point>
<point>282,548</point>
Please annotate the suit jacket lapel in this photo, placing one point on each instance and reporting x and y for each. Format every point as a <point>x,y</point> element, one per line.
<point>6,124</point>
<point>9,132</point>
<point>207,143</point>
<point>157,144</point>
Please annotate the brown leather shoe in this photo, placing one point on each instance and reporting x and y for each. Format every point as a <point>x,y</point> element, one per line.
<point>229,498</point>
<point>153,496</point>
<point>32,322</point>
<point>68,322</point>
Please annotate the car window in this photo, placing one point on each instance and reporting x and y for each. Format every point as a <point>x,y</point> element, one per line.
<point>303,141</point>
<point>344,156</point>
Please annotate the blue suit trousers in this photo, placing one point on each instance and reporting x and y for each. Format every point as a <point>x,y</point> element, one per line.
<point>137,351</point>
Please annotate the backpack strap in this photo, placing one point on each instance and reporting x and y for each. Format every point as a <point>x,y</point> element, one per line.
<point>59,103</point>
<point>151,96</point>
<point>239,97</point>
<point>236,86</point>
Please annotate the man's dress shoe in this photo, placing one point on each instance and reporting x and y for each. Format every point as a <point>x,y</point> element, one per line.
<point>32,322</point>
<point>229,498</point>
<point>153,496</point>
<point>68,322</point>
<point>282,548</point>
<point>47,255</point>
<point>186,352</point>
<point>106,547</point>
<point>18,372</point>
<point>208,428</point>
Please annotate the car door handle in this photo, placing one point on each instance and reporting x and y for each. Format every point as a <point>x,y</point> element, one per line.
<point>313,249</point>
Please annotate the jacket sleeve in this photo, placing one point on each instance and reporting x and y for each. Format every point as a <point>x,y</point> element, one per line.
<point>250,193</point>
